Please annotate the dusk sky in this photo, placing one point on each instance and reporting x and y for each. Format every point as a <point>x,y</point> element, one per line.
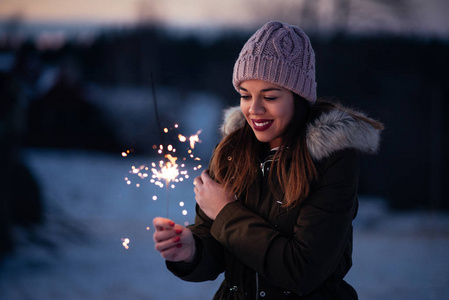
<point>407,16</point>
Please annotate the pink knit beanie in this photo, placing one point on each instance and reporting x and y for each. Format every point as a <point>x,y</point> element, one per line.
<point>280,54</point>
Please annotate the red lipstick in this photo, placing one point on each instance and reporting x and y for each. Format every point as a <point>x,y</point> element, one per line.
<point>261,124</point>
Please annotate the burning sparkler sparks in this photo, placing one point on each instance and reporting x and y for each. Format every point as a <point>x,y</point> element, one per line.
<point>167,172</point>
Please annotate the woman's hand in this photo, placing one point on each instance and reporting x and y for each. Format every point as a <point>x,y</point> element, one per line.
<point>210,195</point>
<point>174,242</point>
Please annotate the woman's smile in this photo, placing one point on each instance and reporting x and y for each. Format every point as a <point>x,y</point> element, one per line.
<point>261,124</point>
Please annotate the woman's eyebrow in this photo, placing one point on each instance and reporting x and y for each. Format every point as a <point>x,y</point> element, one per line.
<point>263,90</point>
<point>270,89</point>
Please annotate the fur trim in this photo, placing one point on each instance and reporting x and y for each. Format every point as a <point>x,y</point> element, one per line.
<point>330,132</point>
<point>233,119</point>
<point>337,130</point>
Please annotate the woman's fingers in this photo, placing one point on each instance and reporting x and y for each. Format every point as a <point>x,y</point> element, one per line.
<point>174,243</point>
<point>166,244</point>
<point>198,181</point>
<point>205,176</point>
<point>201,181</point>
<point>169,242</point>
<point>163,224</point>
<point>167,233</point>
<point>174,253</point>
<point>162,235</point>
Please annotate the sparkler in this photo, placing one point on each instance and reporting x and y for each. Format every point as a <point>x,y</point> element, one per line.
<point>167,171</point>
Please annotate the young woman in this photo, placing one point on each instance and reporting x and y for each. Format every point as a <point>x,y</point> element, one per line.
<point>275,209</point>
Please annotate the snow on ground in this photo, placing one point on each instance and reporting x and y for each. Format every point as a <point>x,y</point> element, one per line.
<point>78,253</point>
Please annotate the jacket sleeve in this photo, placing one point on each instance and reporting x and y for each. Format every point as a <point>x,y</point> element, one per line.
<point>209,261</point>
<point>302,262</point>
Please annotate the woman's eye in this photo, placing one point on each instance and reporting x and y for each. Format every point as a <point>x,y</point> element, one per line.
<point>245,97</point>
<point>270,98</point>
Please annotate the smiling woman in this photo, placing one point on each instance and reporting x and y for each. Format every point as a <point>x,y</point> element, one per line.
<point>275,209</point>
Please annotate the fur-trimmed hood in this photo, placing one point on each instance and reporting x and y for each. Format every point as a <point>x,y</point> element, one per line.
<point>330,132</point>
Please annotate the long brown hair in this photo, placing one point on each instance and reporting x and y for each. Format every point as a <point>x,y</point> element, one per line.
<point>234,162</point>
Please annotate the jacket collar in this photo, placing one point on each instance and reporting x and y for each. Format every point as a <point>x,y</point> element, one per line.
<point>330,132</point>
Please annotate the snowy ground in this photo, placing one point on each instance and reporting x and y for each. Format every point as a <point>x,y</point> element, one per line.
<point>78,254</point>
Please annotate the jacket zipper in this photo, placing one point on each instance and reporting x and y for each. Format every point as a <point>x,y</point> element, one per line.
<point>257,286</point>
<point>262,166</point>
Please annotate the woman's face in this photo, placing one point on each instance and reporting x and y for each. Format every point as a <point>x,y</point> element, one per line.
<point>268,109</point>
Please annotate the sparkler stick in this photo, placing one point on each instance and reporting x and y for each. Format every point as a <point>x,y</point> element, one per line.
<point>156,112</point>
<point>161,136</point>
<point>167,200</point>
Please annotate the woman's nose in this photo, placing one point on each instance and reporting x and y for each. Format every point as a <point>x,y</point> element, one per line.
<point>256,107</point>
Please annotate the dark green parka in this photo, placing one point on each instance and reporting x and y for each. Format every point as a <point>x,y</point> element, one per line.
<point>271,252</point>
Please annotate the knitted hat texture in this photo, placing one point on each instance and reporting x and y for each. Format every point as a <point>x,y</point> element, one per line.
<point>280,54</point>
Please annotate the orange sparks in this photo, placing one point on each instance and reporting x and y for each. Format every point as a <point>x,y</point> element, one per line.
<point>194,139</point>
<point>166,170</point>
<point>171,158</point>
<point>125,153</point>
<point>125,243</point>
<point>169,171</point>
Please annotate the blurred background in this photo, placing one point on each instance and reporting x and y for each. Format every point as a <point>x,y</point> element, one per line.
<point>79,81</point>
